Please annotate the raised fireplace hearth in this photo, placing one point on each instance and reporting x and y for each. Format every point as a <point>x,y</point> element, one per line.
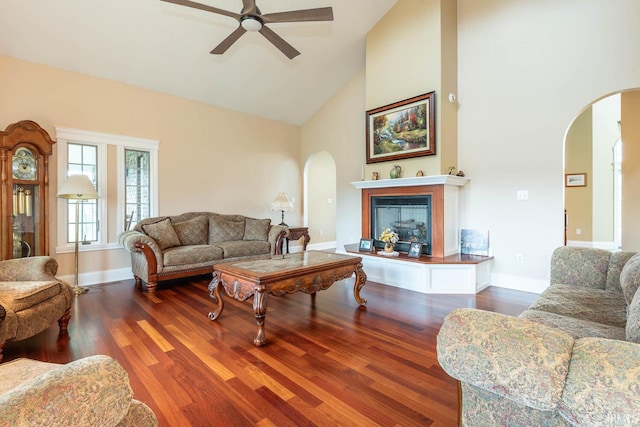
<point>424,209</point>
<point>445,270</point>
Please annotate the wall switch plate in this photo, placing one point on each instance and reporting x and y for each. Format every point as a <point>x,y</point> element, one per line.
<point>520,258</point>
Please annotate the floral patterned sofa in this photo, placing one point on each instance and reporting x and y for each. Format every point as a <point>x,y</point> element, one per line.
<point>93,391</point>
<point>572,358</point>
<point>170,247</point>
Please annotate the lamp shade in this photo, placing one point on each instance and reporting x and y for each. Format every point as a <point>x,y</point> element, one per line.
<point>78,187</point>
<point>282,203</point>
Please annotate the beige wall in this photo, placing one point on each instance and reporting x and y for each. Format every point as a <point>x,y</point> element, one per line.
<point>630,102</point>
<point>411,51</point>
<point>579,159</point>
<point>210,159</point>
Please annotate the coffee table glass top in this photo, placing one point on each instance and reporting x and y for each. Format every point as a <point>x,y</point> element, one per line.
<point>280,263</point>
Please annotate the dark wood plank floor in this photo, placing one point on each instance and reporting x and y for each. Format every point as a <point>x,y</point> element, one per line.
<point>328,363</point>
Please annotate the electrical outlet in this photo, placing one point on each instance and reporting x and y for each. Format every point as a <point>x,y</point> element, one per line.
<point>321,232</point>
<point>578,231</point>
<point>522,195</point>
<point>520,258</point>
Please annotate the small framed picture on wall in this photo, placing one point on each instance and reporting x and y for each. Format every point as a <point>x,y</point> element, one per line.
<point>415,249</point>
<point>366,245</point>
<point>575,180</point>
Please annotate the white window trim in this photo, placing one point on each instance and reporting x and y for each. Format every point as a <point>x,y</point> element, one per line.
<point>65,136</point>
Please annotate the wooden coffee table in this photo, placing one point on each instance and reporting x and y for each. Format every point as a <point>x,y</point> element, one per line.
<point>307,272</point>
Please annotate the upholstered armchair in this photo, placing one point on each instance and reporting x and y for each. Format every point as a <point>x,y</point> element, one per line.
<point>32,298</point>
<point>93,391</point>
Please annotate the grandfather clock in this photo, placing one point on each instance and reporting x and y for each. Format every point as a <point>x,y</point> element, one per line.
<point>25,149</point>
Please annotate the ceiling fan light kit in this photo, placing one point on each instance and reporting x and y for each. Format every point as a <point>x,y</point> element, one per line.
<point>251,19</point>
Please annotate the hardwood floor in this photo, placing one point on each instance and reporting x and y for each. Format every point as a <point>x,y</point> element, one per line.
<point>328,363</point>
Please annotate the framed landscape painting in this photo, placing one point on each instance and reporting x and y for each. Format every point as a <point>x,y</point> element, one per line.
<point>402,130</point>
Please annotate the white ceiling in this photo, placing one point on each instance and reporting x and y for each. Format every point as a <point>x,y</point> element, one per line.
<point>165,47</point>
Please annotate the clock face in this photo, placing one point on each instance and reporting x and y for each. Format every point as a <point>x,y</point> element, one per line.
<point>24,164</point>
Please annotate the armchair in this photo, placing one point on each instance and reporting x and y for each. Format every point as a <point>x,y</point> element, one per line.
<point>93,391</point>
<point>32,298</point>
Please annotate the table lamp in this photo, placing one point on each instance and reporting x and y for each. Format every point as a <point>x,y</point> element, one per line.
<point>282,204</point>
<point>78,188</point>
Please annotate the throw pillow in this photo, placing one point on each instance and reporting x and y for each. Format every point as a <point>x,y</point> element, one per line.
<point>193,231</point>
<point>163,233</point>
<point>256,229</point>
<point>630,278</point>
<point>224,230</point>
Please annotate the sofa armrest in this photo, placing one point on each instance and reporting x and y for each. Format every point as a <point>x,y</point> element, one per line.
<point>277,233</point>
<point>602,384</point>
<point>87,392</point>
<point>28,269</point>
<point>521,360</point>
<point>135,241</point>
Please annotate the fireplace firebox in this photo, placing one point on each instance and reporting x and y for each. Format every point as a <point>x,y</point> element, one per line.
<point>409,216</point>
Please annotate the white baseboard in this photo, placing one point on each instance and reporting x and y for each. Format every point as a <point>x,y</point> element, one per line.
<point>518,283</point>
<point>314,247</point>
<point>99,277</point>
<point>610,246</point>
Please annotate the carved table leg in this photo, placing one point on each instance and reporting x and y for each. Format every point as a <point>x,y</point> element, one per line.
<point>216,296</point>
<point>361,279</point>
<point>260,309</point>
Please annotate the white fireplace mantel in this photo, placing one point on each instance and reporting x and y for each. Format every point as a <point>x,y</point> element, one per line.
<point>413,181</point>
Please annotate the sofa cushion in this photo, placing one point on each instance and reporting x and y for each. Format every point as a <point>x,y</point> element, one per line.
<point>595,305</point>
<point>241,248</point>
<point>192,254</point>
<point>223,229</point>
<point>256,229</point>
<point>602,384</point>
<point>633,319</point>
<point>193,232</point>
<point>18,296</point>
<point>577,328</point>
<point>585,267</point>
<point>616,264</point>
<point>163,233</point>
<point>630,277</point>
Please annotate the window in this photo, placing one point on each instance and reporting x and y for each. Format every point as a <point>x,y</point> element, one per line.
<point>137,186</point>
<point>83,159</point>
<point>124,171</point>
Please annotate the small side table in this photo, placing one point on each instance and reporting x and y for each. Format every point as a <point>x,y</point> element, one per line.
<point>295,233</point>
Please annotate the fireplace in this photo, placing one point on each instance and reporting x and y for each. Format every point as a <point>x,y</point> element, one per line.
<point>393,203</point>
<point>409,216</point>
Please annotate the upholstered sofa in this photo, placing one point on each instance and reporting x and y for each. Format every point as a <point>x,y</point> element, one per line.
<point>171,247</point>
<point>571,358</point>
<point>93,391</point>
<point>31,298</point>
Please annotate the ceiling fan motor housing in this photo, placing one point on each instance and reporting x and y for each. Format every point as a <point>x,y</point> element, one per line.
<point>251,23</point>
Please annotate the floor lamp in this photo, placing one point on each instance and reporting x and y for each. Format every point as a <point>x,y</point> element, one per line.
<point>78,188</point>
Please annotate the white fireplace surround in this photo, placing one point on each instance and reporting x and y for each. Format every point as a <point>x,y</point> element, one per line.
<point>446,276</point>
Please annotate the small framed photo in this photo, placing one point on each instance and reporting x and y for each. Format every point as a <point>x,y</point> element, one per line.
<point>415,249</point>
<point>366,245</point>
<point>575,180</point>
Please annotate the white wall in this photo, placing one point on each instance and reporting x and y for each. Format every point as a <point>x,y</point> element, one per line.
<point>526,69</point>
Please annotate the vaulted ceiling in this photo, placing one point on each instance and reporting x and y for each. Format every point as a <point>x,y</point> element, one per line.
<point>165,47</point>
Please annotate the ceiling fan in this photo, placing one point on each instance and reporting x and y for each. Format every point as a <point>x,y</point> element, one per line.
<point>251,19</point>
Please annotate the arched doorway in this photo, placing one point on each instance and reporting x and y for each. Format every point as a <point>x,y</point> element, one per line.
<point>594,147</point>
<point>319,195</point>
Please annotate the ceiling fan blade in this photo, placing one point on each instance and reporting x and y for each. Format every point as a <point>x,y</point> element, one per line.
<point>319,14</point>
<point>226,43</point>
<point>249,6</point>
<point>204,7</point>
<point>279,42</point>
